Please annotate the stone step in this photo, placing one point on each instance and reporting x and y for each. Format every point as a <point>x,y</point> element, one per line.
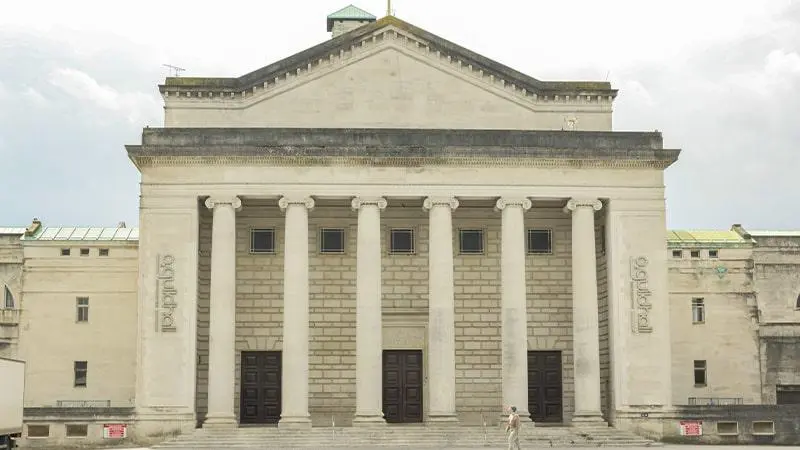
<point>402,436</point>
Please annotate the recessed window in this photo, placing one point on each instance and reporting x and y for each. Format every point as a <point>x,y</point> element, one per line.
<point>677,254</point>
<point>797,302</point>
<point>763,428</point>
<point>103,252</point>
<point>262,241</point>
<point>713,254</point>
<point>74,430</point>
<point>81,371</point>
<point>38,431</point>
<point>401,240</point>
<point>82,305</point>
<point>787,394</point>
<point>8,298</point>
<point>331,240</point>
<point>728,428</point>
<point>64,252</point>
<point>84,252</point>
<point>540,242</point>
<point>698,310</point>
<point>470,241</point>
<point>695,253</point>
<point>700,378</point>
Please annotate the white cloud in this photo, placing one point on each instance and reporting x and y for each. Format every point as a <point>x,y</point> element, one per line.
<point>137,107</point>
<point>780,70</point>
<point>33,96</point>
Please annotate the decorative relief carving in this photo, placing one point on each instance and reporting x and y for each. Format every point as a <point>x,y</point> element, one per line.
<point>640,296</point>
<point>522,202</point>
<point>358,202</point>
<point>165,294</point>
<point>430,202</point>
<point>575,203</point>
<point>213,202</point>
<point>284,202</point>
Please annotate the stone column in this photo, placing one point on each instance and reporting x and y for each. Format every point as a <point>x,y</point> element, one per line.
<point>585,320</point>
<point>369,330</point>
<point>514,300</point>
<point>222,315</point>
<point>441,311</point>
<point>295,354</point>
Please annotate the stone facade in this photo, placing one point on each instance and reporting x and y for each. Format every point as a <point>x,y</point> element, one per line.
<point>385,127</point>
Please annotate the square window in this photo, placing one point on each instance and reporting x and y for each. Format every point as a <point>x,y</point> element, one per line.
<point>103,252</point>
<point>82,305</point>
<point>695,253</point>
<point>64,252</point>
<point>401,240</point>
<point>262,241</point>
<point>331,240</point>
<point>698,310</point>
<point>81,369</point>
<point>77,430</point>
<point>38,431</point>
<point>677,254</point>
<point>713,254</point>
<point>471,241</point>
<point>84,252</point>
<point>700,373</point>
<point>540,242</point>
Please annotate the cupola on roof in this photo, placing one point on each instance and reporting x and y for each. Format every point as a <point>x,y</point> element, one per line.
<point>350,12</point>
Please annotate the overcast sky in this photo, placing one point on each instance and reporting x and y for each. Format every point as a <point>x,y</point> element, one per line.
<point>720,79</point>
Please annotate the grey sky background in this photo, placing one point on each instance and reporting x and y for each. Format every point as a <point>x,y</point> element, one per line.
<point>720,79</point>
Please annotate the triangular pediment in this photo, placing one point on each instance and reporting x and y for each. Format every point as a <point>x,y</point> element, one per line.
<point>387,73</point>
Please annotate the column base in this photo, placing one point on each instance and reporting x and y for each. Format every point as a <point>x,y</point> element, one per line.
<point>220,421</point>
<point>295,423</point>
<point>369,421</point>
<point>588,421</point>
<point>442,419</point>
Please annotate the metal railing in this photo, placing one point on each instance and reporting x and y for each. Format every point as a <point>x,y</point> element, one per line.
<point>715,401</point>
<point>83,403</point>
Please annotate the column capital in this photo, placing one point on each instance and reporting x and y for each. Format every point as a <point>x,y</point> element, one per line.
<point>285,201</point>
<point>358,202</point>
<point>575,203</point>
<point>522,202</point>
<point>430,202</point>
<point>213,202</point>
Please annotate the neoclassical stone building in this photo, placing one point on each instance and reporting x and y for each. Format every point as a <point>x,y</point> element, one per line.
<point>390,228</point>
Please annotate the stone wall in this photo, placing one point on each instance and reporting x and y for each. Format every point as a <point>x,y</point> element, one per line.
<point>405,290</point>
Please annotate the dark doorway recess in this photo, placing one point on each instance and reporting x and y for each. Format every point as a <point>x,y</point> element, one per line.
<point>545,387</point>
<point>261,388</point>
<point>402,386</point>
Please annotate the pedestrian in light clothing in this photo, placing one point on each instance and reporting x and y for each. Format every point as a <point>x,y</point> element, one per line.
<point>512,428</point>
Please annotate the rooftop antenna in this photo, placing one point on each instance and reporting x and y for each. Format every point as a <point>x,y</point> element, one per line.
<point>175,70</point>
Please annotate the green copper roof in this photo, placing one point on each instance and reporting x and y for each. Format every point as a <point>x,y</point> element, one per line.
<point>706,238</point>
<point>349,13</point>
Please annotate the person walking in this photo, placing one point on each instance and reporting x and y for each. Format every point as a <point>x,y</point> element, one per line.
<point>512,428</point>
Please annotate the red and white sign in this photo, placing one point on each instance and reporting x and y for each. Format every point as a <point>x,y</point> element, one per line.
<point>691,427</point>
<point>115,431</point>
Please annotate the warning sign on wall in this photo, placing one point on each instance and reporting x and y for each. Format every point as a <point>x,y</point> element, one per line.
<point>115,431</point>
<point>691,427</point>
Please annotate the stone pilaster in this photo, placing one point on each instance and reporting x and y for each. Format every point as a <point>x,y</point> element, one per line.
<point>222,327</point>
<point>586,327</point>
<point>514,316</point>
<point>441,311</point>
<point>295,354</point>
<point>369,342</point>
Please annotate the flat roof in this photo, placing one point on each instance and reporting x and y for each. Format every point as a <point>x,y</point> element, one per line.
<point>84,234</point>
<point>723,238</point>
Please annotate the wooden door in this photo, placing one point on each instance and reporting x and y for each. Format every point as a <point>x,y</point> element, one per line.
<point>545,387</point>
<point>402,386</point>
<point>261,388</point>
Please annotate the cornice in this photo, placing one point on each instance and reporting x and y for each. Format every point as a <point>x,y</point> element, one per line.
<point>390,31</point>
<point>400,161</point>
